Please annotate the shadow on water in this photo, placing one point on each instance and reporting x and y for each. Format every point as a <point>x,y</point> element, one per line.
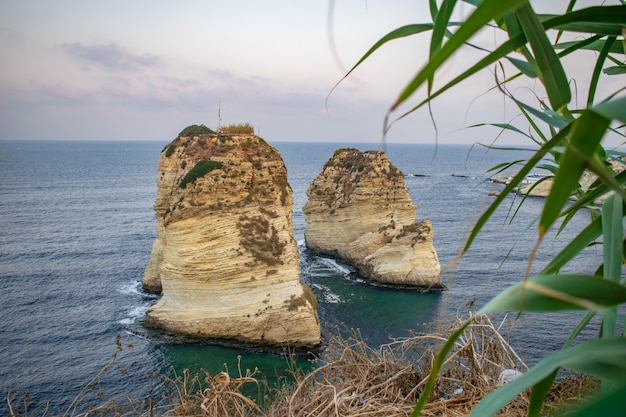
<point>271,368</point>
<point>380,313</point>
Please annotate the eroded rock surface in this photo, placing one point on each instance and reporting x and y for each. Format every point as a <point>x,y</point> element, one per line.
<point>225,260</point>
<point>359,210</point>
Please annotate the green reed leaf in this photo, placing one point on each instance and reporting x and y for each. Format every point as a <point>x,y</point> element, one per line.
<point>501,52</point>
<point>582,240</point>
<point>613,231</point>
<point>586,135</point>
<point>503,126</point>
<point>598,189</point>
<point>605,358</point>
<point>548,116</point>
<point>544,293</point>
<point>593,85</point>
<point>597,20</point>
<point>598,166</point>
<point>552,72</point>
<point>524,67</point>
<point>613,109</point>
<point>484,13</point>
<point>512,25</point>
<point>606,405</point>
<point>615,70</point>
<point>441,21</point>
<point>539,393</point>
<point>434,9</point>
<point>440,29</point>
<point>593,43</point>
<point>436,367</point>
<point>515,181</point>
<point>401,32</point>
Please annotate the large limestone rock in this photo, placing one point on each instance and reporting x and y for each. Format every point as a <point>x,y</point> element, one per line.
<point>360,211</point>
<point>225,259</point>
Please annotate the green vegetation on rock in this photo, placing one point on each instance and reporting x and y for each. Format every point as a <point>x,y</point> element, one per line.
<point>200,169</point>
<point>194,130</point>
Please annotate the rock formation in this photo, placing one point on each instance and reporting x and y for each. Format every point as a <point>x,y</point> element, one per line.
<point>225,260</point>
<point>538,186</point>
<point>360,211</point>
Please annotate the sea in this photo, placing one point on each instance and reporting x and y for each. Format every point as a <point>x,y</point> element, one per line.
<point>76,230</point>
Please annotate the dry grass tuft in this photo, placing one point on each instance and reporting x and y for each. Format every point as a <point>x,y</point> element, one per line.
<point>218,395</point>
<point>356,380</point>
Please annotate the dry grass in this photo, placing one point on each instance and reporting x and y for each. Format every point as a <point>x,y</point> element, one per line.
<point>352,380</point>
<point>356,380</point>
<point>218,395</point>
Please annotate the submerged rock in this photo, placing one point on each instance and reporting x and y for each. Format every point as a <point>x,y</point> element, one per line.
<point>360,211</point>
<point>225,260</point>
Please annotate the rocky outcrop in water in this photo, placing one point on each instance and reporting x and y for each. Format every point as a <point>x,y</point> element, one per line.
<point>225,260</point>
<point>538,185</point>
<point>360,211</point>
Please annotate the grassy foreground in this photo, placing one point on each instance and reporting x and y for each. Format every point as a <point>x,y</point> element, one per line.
<point>351,379</point>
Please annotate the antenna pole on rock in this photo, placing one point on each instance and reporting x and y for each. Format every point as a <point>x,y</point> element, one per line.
<point>219,116</point>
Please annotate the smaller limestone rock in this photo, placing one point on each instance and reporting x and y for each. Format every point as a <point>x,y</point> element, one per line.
<point>360,211</point>
<point>409,259</point>
<point>225,260</point>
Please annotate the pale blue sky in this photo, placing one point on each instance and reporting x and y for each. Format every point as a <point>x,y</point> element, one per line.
<point>145,69</point>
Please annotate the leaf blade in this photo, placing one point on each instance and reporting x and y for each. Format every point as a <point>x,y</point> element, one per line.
<point>589,234</point>
<point>587,132</point>
<point>546,293</point>
<point>484,13</point>
<point>604,358</point>
<point>552,72</point>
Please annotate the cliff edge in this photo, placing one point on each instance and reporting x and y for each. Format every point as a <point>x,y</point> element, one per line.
<point>225,260</point>
<point>360,211</point>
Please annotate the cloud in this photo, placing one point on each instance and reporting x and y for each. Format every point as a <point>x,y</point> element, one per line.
<point>10,34</point>
<point>111,56</point>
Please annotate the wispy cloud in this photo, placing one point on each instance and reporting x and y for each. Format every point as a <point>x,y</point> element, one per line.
<point>111,56</point>
<point>10,34</point>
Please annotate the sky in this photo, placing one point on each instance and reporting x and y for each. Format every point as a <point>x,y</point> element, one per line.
<point>145,69</point>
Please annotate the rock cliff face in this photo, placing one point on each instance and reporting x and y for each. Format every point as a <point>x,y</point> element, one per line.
<point>360,211</point>
<point>225,260</point>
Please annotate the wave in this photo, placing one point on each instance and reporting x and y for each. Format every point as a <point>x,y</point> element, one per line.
<point>134,314</point>
<point>131,288</point>
<point>335,265</point>
<point>326,293</point>
<point>135,288</point>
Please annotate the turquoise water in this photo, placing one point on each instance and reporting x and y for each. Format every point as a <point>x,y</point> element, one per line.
<point>77,228</point>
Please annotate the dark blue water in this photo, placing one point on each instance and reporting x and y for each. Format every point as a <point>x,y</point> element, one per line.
<point>76,229</point>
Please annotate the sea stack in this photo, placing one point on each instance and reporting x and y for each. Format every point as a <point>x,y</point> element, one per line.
<point>360,211</point>
<point>225,260</point>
